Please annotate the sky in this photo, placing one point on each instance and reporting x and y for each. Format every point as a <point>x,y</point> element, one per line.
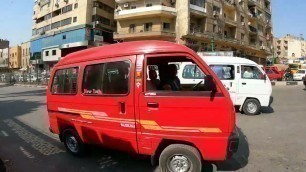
<point>289,17</point>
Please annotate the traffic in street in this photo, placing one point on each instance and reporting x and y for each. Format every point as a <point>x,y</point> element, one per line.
<point>272,141</point>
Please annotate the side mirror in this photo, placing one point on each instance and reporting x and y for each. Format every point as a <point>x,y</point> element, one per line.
<point>264,77</point>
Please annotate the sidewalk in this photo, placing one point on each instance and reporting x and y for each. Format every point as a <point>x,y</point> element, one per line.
<point>2,166</point>
<point>287,83</point>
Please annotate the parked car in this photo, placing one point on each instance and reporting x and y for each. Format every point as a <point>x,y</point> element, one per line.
<point>278,73</point>
<point>246,82</point>
<point>304,81</point>
<point>299,75</point>
<point>100,96</point>
<point>32,78</point>
<point>272,75</point>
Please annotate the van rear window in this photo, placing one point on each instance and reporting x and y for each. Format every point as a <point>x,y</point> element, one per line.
<point>107,78</point>
<point>65,81</point>
<point>224,72</point>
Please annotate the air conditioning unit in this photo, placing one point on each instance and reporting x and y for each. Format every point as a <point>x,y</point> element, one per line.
<point>98,22</point>
<point>242,23</point>
<point>263,47</point>
<point>126,5</point>
<point>66,1</point>
<point>57,5</point>
<point>216,13</point>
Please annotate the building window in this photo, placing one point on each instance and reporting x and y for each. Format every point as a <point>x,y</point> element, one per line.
<point>133,7</point>
<point>75,19</point>
<point>148,27</point>
<point>166,26</point>
<point>200,3</point>
<point>104,7</point>
<point>76,5</point>
<point>64,36</point>
<point>65,81</point>
<point>242,37</point>
<point>67,9</point>
<point>148,5</point>
<point>56,25</point>
<point>132,28</point>
<point>107,78</point>
<point>53,52</point>
<point>242,19</point>
<point>101,19</point>
<point>66,21</point>
<point>47,53</point>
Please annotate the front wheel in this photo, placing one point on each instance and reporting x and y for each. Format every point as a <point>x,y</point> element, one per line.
<point>251,107</point>
<point>73,142</point>
<point>180,158</point>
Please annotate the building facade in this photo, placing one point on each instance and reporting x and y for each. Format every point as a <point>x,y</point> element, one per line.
<point>65,26</point>
<point>4,55</point>
<point>290,47</point>
<point>15,58</point>
<point>25,56</point>
<point>241,26</point>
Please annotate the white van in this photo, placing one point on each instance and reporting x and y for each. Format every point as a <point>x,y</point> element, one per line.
<point>247,83</point>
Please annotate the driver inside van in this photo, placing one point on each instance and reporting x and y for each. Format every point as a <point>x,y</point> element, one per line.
<point>248,73</point>
<point>172,82</point>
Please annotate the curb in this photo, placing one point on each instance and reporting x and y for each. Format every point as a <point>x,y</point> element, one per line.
<point>287,83</point>
<point>36,86</point>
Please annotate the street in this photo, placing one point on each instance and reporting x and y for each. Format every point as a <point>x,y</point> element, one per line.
<point>272,141</point>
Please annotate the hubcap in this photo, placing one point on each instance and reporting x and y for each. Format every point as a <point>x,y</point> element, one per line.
<point>72,144</point>
<point>252,108</point>
<point>179,163</point>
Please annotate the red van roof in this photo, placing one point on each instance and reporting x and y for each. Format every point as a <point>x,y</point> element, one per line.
<point>122,49</point>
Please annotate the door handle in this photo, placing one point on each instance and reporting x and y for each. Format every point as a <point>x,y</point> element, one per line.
<point>243,83</point>
<point>122,107</point>
<point>153,105</point>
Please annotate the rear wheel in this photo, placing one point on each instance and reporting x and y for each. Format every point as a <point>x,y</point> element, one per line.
<point>73,142</point>
<point>180,158</point>
<point>251,107</point>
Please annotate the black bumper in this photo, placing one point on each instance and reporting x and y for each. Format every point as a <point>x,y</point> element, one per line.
<point>233,143</point>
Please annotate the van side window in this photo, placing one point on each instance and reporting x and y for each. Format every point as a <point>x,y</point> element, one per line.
<point>65,81</point>
<point>224,72</point>
<point>180,74</point>
<point>192,72</point>
<point>251,72</point>
<point>106,78</point>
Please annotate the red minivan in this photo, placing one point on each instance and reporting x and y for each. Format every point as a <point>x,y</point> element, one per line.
<point>127,96</point>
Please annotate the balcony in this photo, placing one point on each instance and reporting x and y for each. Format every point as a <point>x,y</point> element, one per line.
<point>253,30</point>
<point>143,12</point>
<point>230,4</point>
<point>252,2</point>
<point>145,35</point>
<point>124,1</point>
<point>230,22</point>
<point>197,10</point>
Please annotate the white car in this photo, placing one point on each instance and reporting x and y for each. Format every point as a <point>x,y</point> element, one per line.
<point>299,75</point>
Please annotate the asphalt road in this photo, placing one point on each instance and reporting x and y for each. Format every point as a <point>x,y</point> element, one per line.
<point>272,141</point>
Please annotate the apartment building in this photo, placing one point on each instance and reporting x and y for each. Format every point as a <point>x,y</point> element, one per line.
<point>290,47</point>
<point>25,56</point>
<point>241,26</point>
<point>4,55</point>
<point>15,57</point>
<point>65,26</point>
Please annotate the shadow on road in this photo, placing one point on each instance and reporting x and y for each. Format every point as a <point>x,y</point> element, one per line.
<point>267,110</point>
<point>25,93</point>
<point>239,159</point>
<point>14,108</point>
<point>2,166</point>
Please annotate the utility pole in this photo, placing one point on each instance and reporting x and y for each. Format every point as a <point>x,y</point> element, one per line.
<point>213,43</point>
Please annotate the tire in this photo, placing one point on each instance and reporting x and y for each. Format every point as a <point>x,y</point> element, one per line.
<point>187,156</point>
<point>251,107</point>
<point>73,143</point>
